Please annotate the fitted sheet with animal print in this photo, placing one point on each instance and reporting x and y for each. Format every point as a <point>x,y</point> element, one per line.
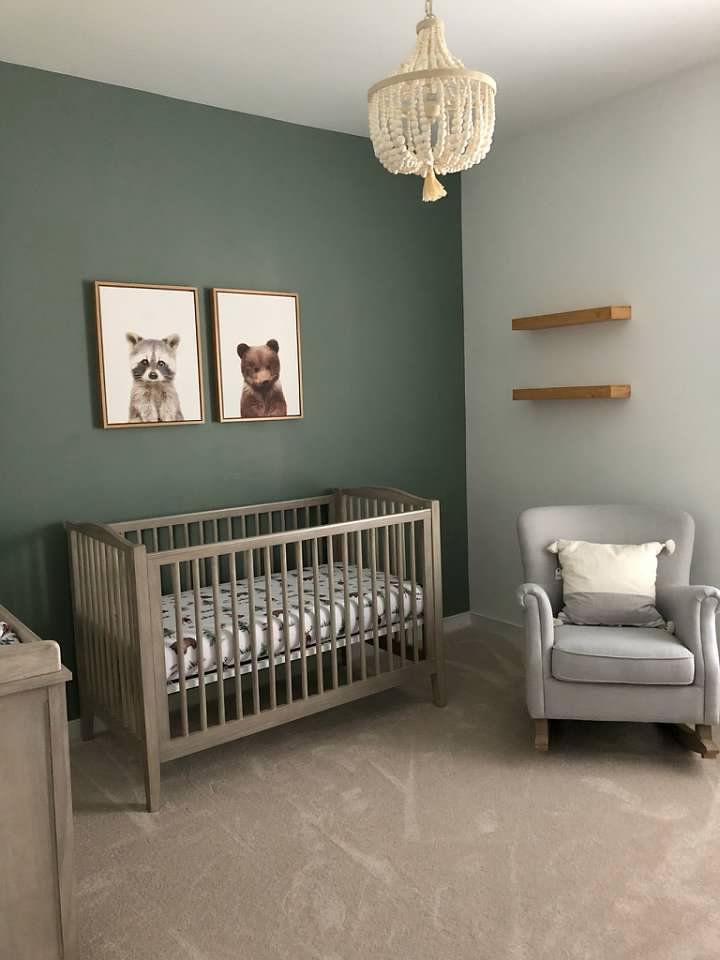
<point>347,622</point>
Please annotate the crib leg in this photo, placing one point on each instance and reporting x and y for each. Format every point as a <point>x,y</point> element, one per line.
<point>152,783</point>
<point>439,693</point>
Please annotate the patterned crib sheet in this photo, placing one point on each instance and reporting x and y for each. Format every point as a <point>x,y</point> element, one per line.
<point>8,637</point>
<point>400,599</point>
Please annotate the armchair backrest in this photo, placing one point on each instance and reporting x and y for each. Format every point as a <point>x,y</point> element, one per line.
<point>606,523</point>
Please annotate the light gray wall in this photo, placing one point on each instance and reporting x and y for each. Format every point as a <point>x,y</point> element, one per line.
<point>620,204</point>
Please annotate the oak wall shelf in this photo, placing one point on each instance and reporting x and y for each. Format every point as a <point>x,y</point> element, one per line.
<point>605,391</point>
<point>572,318</point>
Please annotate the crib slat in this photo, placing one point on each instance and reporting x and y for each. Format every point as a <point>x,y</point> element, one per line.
<point>155,543</point>
<point>347,612</point>
<point>286,625</point>
<point>257,554</point>
<point>243,535</point>
<point>393,542</point>
<point>111,632</point>
<point>374,597</point>
<point>201,540</point>
<point>132,655</point>
<point>114,632</point>
<point>413,594</point>
<point>351,517</point>
<point>306,544</point>
<point>89,607</point>
<point>316,618</point>
<point>333,625</point>
<point>251,621</point>
<point>99,628</point>
<point>400,573</point>
<point>98,625</point>
<point>426,558</point>
<point>92,622</point>
<point>270,631</point>
<point>361,603</point>
<point>388,599</point>
<point>188,564</point>
<point>117,637</point>
<point>301,615</point>
<point>180,647</point>
<point>237,655</point>
<point>200,640</point>
<point>215,572</point>
<point>104,595</point>
<point>78,571</point>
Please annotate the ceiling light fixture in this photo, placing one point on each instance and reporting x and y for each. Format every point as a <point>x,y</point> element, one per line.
<point>433,116</point>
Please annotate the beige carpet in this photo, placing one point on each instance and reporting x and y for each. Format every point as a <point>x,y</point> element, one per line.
<point>391,829</point>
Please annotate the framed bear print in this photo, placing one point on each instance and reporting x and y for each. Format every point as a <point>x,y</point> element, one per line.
<point>257,350</point>
<point>148,354</point>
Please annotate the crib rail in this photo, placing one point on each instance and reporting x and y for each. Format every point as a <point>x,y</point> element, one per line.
<point>215,526</point>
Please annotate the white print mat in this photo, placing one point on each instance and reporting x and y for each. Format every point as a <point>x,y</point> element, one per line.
<point>346,622</point>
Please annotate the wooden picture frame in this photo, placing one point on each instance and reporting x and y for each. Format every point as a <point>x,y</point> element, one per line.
<point>258,356</point>
<point>130,331</point>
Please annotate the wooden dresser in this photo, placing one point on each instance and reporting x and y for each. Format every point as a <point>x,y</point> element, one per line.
<point>37,919</point>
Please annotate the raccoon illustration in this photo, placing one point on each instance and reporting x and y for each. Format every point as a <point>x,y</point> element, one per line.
<point>153,396</point>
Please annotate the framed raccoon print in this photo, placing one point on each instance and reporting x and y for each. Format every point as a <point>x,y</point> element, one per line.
<point>257,351</point>
<point>148,354</point>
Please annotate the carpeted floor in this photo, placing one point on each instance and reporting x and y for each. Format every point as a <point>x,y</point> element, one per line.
<point>391,830</point>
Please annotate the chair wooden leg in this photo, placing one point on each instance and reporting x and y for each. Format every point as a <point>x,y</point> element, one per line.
<point>700,739</point>
<point>542,736</point>
<point>708,747</point>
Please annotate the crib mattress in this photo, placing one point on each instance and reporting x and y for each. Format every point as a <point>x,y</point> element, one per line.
<point>347,622</point>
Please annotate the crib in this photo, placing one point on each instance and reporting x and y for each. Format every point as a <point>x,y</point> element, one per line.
<point>196,629</point>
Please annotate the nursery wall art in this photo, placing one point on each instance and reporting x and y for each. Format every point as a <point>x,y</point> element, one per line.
<point>148,354</point>
<point>257,349</point>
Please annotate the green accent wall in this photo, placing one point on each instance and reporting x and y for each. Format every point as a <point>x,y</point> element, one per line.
<point>101,182</point>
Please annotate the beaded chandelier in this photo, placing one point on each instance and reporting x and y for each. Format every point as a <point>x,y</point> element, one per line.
<point>432,116</point>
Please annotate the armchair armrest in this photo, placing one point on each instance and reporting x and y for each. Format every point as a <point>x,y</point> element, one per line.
<point>532,597</point>
<point>693,610</point>
<point>539,636</point>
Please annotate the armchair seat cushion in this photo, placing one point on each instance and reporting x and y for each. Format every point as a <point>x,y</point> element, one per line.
<point>632,655</point>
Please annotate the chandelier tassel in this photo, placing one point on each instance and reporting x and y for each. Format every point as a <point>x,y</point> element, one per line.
<point>433,189</point>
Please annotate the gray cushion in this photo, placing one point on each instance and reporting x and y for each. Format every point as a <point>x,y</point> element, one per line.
<point>635,655</point>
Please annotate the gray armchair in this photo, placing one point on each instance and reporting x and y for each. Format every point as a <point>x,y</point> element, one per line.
<point>619,673</point>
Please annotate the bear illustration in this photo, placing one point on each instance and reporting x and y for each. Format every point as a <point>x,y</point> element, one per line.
<point>262,394</point>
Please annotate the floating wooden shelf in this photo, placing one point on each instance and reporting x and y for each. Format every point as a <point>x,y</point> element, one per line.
<point>572,318</point>
<point>603,391</point>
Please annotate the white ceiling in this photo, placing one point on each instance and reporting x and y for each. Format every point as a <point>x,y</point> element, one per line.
<point>311,61</point>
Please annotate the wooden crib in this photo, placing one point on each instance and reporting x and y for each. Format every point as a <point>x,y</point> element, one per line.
<point>306,604</point>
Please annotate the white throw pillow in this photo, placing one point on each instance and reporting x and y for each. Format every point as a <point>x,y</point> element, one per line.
<point>610,584</point>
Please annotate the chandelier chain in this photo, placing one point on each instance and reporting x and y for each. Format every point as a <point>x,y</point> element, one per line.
<point>428,8</point>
